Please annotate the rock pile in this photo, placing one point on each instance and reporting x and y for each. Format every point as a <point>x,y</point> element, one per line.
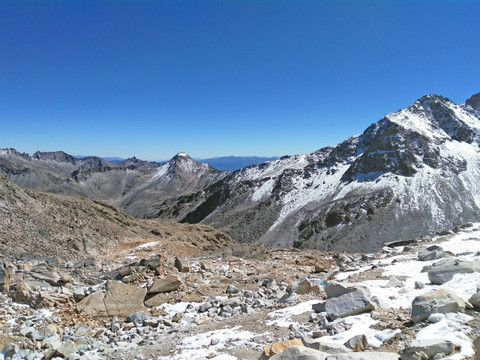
<point>182,307</point>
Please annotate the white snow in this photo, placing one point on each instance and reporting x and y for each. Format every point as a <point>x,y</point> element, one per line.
<point>451,327</point>
<point>161,171</point>
<point>147,245</point>
<point>200,346</point>
<point>360,324</point>
<point>283,317</point>
<point>265,189</point>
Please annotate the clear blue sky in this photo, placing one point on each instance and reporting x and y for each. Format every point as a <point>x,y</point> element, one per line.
<point>213,78</point>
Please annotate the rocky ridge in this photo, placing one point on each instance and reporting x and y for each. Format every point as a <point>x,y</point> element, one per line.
<point>133,185</point>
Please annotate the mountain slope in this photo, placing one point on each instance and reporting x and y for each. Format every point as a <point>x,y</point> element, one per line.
<point>38,223</point>
<point>412,173</point>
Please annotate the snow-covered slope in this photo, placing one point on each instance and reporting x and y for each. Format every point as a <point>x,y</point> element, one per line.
<point>412,173</point>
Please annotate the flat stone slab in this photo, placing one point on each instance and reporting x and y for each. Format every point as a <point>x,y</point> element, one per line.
<point>119,300</point>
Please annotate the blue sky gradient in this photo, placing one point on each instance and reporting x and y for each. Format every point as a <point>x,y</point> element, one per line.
<point>215,78</point>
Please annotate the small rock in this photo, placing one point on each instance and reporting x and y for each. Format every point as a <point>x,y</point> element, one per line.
<point>182,265</point>
<point>319,307</point>
<point>419,285</point>
<point>205,306</point>
<point>232,290</point>
<point>279,347</point>
<point>357,343</point>
<point>10,350</point>
<point>138,317</point>
<point>394,282</point>
<point>475,299</point>
<point>177,317</point>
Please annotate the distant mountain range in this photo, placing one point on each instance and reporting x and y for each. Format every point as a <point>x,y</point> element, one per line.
<point>233,163</point>
<point>230,163</point>
<point>412,173</point>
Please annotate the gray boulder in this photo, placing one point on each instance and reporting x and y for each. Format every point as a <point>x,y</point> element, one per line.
<point>475,299</point>
<point>431,253</point>
<point>438,301</point>
<point>334,289</point>
<point>426,349</point>
<point>443,270</point>
<point>349,304</point>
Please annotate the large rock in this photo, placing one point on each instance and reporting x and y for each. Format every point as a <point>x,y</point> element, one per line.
<point>334,289</point>
<point>438,301</point>
<point>431,253</point>
<point>167,284</point>
<point>119,300</point>
<point>300,352</point>
<point>443,270</point>
<point>349,304</point>
<point>426,349</point>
